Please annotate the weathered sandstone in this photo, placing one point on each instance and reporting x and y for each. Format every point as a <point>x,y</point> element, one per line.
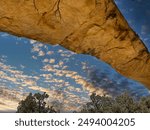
<point>94,27</point>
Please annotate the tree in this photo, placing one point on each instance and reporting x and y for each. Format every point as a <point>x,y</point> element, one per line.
<point>125,104</point>
<point>121,104</point>
<point>35,104</point>
<point>98,104</point>
<point>144,105</point>
<point>88,27</point>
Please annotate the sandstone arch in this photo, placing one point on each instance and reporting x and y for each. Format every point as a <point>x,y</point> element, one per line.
<point>94,27</point>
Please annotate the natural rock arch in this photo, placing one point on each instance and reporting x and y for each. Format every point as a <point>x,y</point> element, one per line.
<point>94,27</point>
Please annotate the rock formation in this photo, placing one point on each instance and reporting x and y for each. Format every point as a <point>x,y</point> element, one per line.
<point>94,27</point>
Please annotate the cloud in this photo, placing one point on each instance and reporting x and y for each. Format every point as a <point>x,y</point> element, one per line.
<point>41,53</point>
<point>61,74</point>
<point>29,82</point>
<point>33,41</point>
<point>145,29</point>
<point>4,34</point>
<point>9,99</point>
<point>35,49</point>
<point>22,66</point>
<point>52,61</point>
<point>34,57</point>
<point>73,76</point>
<point>61,63</point>
<point>50,53</point>
<point>60,91</point>
<point>15,77</point>
<point>46,60</point>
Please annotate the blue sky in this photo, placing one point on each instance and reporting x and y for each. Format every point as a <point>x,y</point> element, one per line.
<point>137,13</point>
<point>30,66</point>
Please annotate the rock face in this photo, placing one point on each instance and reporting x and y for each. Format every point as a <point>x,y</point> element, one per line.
<point>94,27</point>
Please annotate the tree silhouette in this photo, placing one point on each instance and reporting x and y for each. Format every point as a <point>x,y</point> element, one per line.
<point>35,104</point>
<point>98,104</point>
<point>121,104</point>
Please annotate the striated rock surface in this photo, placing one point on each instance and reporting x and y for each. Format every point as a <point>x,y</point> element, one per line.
<point>94,27</point>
